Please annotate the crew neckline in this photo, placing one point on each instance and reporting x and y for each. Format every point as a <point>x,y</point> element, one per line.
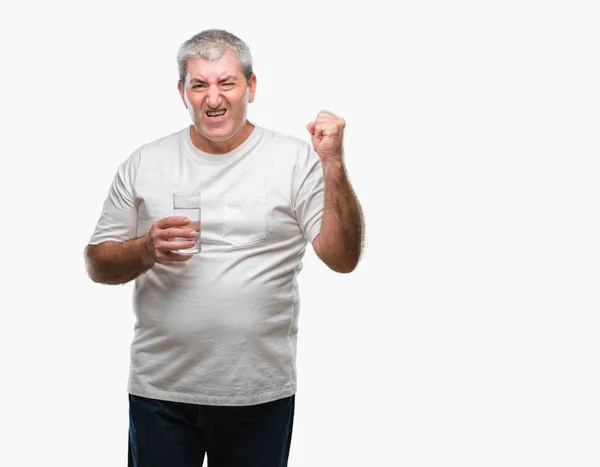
<point>225,157</point>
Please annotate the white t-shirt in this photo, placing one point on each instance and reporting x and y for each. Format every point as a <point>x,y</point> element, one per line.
<point>221,328</point>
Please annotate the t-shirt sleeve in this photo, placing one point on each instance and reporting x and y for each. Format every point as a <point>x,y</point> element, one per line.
<point>309,195</point>
<point>118,219</point>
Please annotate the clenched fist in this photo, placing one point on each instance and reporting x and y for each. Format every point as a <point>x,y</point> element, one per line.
<point>327,132</point>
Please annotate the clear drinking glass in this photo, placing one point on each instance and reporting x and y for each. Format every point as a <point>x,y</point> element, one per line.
<point>187,203</point>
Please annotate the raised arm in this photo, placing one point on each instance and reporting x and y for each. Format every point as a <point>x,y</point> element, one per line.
<point>340,239</point>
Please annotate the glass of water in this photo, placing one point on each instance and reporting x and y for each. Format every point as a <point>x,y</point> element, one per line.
<point>187,204</point>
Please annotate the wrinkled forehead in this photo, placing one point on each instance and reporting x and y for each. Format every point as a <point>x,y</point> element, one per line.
<point>213,70</point>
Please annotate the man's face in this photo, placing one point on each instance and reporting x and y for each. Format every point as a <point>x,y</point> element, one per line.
<point>216,94</point>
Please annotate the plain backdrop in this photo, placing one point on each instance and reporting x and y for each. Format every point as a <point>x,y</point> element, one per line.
<point>469,334</point>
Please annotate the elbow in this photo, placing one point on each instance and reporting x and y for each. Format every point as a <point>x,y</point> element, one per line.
<point>341,265</point>
<point>337,258</point>
<point>343,268</point>
<point>95,277</point>
<point>93,274</point>
<point>99,278</point>
<point>91,266</point>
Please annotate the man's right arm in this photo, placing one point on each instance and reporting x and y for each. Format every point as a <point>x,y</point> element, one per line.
<point>118,262</point>
<point>113,262</point>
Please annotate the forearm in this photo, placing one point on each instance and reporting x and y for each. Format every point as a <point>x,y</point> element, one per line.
<point>342,228</point>
<point>118,262</point>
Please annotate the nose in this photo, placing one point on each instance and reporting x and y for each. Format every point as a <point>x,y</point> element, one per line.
<point>213,98</point>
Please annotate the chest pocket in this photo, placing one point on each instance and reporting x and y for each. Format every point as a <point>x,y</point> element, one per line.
<point>245,218</point>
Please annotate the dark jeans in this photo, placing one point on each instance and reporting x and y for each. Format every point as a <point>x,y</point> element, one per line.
<point>174,434</point>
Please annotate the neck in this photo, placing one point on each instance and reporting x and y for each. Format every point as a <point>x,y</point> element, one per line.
<point>220,147</point>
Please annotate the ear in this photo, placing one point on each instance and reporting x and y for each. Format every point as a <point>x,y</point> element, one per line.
<point>252,88</point>
<point>181,91</point>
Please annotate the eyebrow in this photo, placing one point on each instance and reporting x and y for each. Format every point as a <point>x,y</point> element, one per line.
<point>222,80</point>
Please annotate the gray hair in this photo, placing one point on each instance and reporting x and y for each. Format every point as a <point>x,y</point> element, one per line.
<point>211,44</point>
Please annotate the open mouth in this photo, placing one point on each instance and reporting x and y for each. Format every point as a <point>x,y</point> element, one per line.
<point>216,113</point>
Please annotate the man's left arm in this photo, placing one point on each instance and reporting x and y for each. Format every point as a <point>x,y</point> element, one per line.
<point>340,240</point>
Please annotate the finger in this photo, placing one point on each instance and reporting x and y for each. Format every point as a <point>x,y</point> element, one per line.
<point>319,130</point>
<point>172,221</point>
<point>311,128</point>
<point>174,245</point>
<point>175,232</point>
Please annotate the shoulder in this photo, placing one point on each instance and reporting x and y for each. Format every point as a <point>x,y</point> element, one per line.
<point>286,145</point>
<point>159,146</point>
<point>155,149</point>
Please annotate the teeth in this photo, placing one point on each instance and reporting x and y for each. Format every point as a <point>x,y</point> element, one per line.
<point>215,113</point>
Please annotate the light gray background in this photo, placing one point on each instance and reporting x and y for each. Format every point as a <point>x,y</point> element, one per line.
<point>468,336</point>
